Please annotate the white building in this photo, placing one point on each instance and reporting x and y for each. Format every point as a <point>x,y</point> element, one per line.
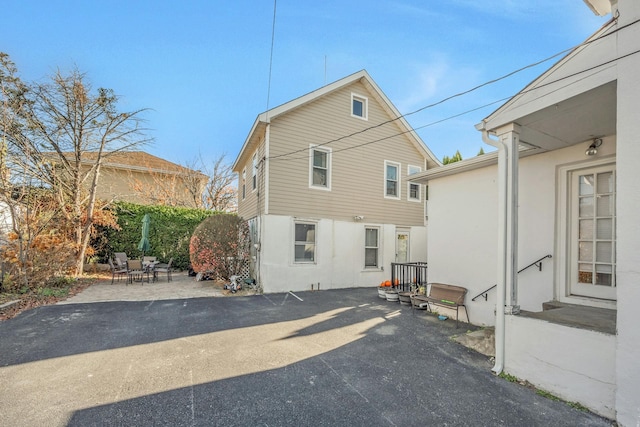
<point>546,192</point>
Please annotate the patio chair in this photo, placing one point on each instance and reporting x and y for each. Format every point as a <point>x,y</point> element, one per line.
<point>135,271</point>
<point>116,271</point>
<point>149,259</point>
<point>164,268</point>
<point>121,259</point>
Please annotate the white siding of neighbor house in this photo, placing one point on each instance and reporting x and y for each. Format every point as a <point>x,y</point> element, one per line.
<point>339,254</point>
<point>628,227</point>
<point>357,175</point>
<point>462,227</point>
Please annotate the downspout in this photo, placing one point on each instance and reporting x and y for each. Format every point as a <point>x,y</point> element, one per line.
<point>502,245</point>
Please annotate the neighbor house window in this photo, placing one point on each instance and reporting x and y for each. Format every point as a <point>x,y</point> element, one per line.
<point>371,248</point>
<point>244,179</point>
<point>391,180</point>
<point>320,168</point>
<point>254,172</point>
<point>413,188</point>
<point>305,242</point>
<point>359,106</point>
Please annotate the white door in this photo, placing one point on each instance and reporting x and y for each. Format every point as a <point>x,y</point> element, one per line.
<point>402,246</point>
<point>592,269</point>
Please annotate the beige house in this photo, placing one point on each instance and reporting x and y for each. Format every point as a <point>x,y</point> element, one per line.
<point>323,181</point>
<point>139,177</point>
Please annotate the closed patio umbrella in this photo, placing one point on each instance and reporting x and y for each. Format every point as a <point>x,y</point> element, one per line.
<point>144,244</point>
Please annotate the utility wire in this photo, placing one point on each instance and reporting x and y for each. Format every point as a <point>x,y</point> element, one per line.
<point>465,92</point>
<point>471,110</point>
<point>273,37</point>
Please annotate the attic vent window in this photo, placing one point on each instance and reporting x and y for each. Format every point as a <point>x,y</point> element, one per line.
<point>359,106</point>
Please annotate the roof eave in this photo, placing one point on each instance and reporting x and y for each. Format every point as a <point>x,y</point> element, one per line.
<point>471,164</point>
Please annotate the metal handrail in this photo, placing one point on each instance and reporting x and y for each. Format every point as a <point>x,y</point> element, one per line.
<point>537,263</point>
<point>408,273</point>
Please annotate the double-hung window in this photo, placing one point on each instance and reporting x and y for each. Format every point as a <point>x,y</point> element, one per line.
<point>413,188</point>
<point>320,168</point>
<point>371,247</point>
<point>305,242</point>
<point>391,180</point>
<point>254,172</point>
<point>359,106</point>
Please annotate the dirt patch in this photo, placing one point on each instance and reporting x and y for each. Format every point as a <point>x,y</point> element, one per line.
<point>44,296</point>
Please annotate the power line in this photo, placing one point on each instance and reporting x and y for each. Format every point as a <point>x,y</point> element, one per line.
<point>465,92</point>
<point>273,37</point>
<point>468,111</point>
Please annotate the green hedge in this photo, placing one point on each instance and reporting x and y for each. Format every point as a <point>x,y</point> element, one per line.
<point>169,232</point>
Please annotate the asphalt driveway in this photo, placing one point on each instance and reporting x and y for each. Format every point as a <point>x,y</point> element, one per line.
<point>329,358</point>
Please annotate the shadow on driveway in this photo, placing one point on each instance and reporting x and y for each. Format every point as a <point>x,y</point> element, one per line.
<point>338,357</point>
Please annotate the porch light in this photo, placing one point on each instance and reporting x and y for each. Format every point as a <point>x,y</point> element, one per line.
<point>593,148</point>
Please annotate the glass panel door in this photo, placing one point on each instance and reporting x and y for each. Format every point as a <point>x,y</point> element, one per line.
<point>593,269</point>
<point>402,246</point>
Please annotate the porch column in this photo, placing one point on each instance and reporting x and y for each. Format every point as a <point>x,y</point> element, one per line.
<point>509,137</point>
<point>507,277</point>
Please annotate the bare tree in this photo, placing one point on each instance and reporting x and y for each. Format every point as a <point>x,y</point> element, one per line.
<point>183,185</point>
<point>220,193</point>
<point>55,125</point>
<point>197,184</point>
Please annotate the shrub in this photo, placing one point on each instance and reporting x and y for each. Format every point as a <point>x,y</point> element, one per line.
<point>220,246</point>
<point>169,232</point>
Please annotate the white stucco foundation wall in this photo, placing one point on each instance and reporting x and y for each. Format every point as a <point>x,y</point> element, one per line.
<point>573,364</point>
<point>339,254</point>
<point>628,226</point>
<point>463,233</point>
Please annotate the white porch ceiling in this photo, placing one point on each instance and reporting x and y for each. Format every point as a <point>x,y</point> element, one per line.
<point>580,118</point>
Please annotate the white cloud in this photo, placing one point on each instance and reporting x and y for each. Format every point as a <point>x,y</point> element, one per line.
<point>432,81</point>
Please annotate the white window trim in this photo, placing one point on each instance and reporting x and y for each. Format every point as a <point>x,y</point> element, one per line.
<point>254,173</point>
<point>379,247</point>
<point>327,150</point>
<point>365,106</point>
<point>409,184</point>
<point>293,246</point>
<point>563,257</point>
<point>398,187</point>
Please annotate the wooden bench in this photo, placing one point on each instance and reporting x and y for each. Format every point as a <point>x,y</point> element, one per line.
<point>440,294</point>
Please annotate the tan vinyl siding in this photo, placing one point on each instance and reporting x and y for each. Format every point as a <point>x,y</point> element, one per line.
<point>248,208</point>
<point>357,175</point>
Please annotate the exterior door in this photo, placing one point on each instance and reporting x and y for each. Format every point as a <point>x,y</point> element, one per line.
<point>402,246</point>
<point>592,269</point>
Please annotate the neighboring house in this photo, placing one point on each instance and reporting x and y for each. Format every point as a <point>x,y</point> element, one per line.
<point>323,182</point>
<point>556,195</point>
<point>139,177</point>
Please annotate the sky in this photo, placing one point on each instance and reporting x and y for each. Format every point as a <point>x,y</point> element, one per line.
<point>205,68</point>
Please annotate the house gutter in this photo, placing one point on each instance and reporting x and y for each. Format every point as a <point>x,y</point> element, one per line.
<point>502,245</point>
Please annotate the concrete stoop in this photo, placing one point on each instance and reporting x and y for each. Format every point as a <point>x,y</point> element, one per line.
<point>482,341</point>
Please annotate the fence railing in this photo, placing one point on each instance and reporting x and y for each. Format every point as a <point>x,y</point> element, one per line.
<point>406,275</point>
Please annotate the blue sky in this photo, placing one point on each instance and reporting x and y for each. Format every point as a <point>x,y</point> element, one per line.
<point>202,67</point>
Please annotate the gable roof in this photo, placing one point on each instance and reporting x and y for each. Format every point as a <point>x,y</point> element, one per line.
<point>573,99</point>
<point>563,93</point>
<point>138,161</point>
<point>362,76</point>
